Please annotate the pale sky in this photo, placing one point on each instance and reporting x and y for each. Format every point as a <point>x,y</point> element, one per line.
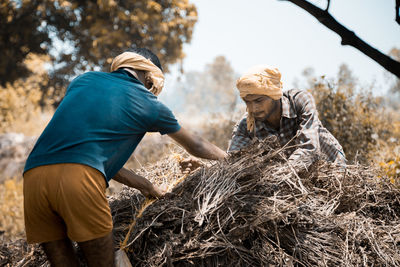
<point>280,34</point>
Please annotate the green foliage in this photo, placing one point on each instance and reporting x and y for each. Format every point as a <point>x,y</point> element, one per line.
<point>86,35</point>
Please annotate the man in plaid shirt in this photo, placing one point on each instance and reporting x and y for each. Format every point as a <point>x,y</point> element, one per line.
<point>290,116</point>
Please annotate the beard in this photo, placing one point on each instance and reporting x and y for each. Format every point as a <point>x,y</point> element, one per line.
<point>267,115</point>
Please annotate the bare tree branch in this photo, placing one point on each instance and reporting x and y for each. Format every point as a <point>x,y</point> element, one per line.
<point>327,6</point>
<point>398,11</point>
<point>349,37</point>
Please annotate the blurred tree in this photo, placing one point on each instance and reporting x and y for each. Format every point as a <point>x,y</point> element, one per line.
<point>349,37</point>
<point>86,35</point>
<point>20,34</point>
<point>213,90</point>
<point>395,53</point>
<point>19,100</point>
<point>346,81</point>
<point>352,115</point>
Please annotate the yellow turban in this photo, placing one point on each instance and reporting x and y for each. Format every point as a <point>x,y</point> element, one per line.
<point>260,80</point>
<point>138,62</point>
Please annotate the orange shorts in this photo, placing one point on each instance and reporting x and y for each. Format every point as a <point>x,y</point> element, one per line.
<point>65,200</point>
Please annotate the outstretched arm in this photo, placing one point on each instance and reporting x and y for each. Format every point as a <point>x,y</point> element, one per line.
<point>197,146</point>
<point>134,180</point>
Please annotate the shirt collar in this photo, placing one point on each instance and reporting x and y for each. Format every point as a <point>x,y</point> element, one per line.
<point>287,110</point>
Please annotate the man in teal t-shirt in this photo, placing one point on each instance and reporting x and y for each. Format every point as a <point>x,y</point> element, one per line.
<point>93,132</point>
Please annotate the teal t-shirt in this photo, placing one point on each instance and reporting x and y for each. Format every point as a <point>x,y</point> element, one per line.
<point>100,121</point>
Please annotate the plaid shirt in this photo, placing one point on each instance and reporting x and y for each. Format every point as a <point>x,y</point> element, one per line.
<point>299,117</point>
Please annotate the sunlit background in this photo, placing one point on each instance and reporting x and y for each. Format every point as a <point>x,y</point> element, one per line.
<point>206,45</point>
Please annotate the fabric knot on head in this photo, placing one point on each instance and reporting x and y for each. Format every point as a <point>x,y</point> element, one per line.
<point>260,80</point>
<point>138,62</point>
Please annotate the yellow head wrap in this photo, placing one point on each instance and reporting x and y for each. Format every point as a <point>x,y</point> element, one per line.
<point>138,62</point>
<point>260,80</point>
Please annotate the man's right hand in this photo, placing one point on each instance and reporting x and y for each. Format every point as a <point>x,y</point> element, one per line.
<point>153,192</point>
<point>131,179</point>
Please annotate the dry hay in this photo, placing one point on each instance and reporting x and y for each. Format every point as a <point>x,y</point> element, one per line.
<point>252,210</point>
<point>19,253</point>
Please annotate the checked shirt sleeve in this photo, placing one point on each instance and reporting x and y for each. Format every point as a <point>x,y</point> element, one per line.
<point>240,136</point>
<point>307,133</point>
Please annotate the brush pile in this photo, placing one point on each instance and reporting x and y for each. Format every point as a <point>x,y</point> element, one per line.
<point>255,210</point>
<point>19,253</point>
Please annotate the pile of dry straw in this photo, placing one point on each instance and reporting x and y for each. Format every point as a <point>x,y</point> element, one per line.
<point>253,210</point>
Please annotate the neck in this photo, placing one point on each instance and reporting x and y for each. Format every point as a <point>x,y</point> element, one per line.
<point>275,119</point>
<point>132,71</point>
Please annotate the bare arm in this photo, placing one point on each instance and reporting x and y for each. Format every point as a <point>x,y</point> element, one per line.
<point>197,146</point>
<point>131,179</point>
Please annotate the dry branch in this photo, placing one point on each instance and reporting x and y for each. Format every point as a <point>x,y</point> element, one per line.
<point>349,37</point>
